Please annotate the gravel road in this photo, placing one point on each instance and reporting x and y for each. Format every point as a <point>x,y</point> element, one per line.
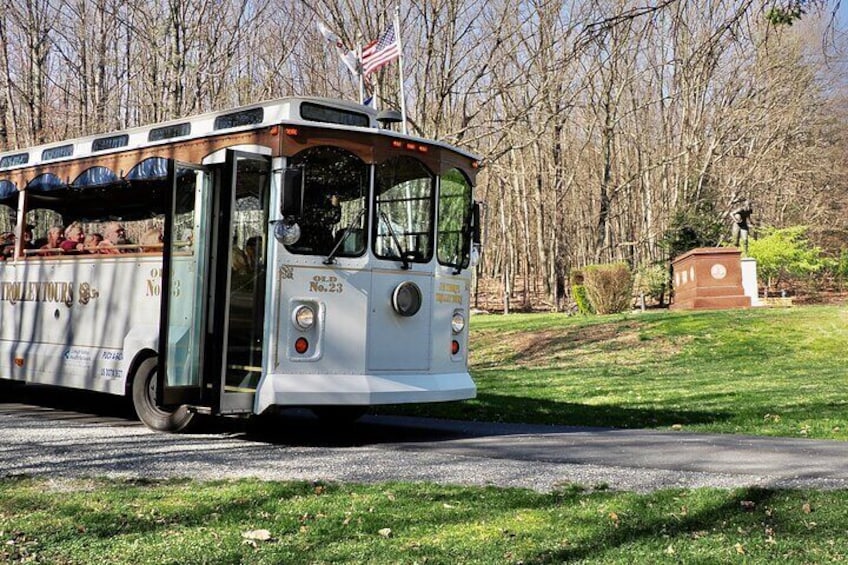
<point>40,436</point>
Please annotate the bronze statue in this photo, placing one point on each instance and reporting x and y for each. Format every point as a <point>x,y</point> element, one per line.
<point>740,216</point>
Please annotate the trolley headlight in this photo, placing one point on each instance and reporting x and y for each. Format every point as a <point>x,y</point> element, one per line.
<point>303,317</point>
<point>458,322</point>
<point>406,299</point>
<point>287,233</point>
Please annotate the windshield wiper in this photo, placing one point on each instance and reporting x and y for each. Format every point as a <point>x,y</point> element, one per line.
<point>331,258</point>
<point>403,254</point>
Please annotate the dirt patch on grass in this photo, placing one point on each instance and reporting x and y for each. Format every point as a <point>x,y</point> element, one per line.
<point>538,347</point>
<point>545,347</point>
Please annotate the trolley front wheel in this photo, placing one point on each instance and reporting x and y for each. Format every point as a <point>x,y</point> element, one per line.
<point>144,402</point>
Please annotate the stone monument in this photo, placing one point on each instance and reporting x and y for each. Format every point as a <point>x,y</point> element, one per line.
<point>709,278</point>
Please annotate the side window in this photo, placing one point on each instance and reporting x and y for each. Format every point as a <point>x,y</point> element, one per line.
<point>8,214</point>
<point>404,210</point>
<point>454,240</point>
<point>98,214</point>
<point>334,202</point>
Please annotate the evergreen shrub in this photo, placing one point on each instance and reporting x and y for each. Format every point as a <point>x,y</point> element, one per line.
<point>584,305</point>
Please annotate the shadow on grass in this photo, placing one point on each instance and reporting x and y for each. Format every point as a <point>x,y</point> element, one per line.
<point>691,526</point>
<point>115,511</point>
<point>512,409</point>
<point>206,523</point>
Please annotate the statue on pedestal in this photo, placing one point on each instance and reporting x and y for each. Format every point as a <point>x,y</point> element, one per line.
<point>740,216</point>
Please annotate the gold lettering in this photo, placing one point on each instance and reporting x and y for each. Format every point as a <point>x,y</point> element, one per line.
<point>50,291</point>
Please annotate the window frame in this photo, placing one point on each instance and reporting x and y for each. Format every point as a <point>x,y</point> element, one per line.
<point>430,232</point>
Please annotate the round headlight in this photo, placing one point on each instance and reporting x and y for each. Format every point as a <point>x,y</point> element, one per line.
<point>457,322</point>
<point>287,234</point>
<point>406,299</point>
<point>304,317</point>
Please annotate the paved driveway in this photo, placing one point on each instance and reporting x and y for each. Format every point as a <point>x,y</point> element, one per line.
<point>40,435</point>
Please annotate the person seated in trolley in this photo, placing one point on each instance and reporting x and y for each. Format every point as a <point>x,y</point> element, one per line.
<point>55,237</point>
<point>251,250</point>
<point>28,242</point>
<point>151,241</point>
<point>74,242</point>
<point>114,239</point>
<point>240,262</point>
<point>92,241</point>
<point>317,224</point>
<point>7,245</point>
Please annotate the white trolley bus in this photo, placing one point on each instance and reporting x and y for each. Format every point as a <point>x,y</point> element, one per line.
<point>304,255</point>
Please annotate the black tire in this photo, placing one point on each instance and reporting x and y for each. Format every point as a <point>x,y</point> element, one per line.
<point>144,402</point>
<point>10,389</point>
<point>338,414</point>
<point>5,383</point>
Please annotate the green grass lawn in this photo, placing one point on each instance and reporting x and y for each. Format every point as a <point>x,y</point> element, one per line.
<point>758,371</point>
<point>770,372</point>
<point>94,521</point>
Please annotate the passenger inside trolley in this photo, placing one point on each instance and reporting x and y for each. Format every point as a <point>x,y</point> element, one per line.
<point>92,241</point>
<point>53,243</point>
<point>74,242</point>
<point>7,244</point>
<point>114,239</point>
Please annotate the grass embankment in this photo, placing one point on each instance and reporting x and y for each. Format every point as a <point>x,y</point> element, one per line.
<point>256,522</point>
<point>759,371</point>
<point>773,372</point>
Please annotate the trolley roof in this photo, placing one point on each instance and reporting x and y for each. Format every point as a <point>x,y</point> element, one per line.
<point>326,112</point>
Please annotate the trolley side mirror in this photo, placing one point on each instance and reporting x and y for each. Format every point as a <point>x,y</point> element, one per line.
<point>475,223</point>
<point>292,197</point>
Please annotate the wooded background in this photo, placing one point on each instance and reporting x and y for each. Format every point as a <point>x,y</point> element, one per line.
<point>609,129</point>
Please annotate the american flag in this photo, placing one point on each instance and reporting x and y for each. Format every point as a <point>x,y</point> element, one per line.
<point>381,52</point>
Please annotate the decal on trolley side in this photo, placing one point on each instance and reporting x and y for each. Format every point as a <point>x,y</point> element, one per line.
<point>61,292</point>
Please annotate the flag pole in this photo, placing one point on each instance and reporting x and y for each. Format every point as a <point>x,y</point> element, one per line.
<point>400,69</point>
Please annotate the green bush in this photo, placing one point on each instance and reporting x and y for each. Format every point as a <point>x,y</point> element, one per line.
<point>841,269</point>
<point>653,281</point>
<point>785,254</point>
<point>584,306</point>
<point>609,287</point>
